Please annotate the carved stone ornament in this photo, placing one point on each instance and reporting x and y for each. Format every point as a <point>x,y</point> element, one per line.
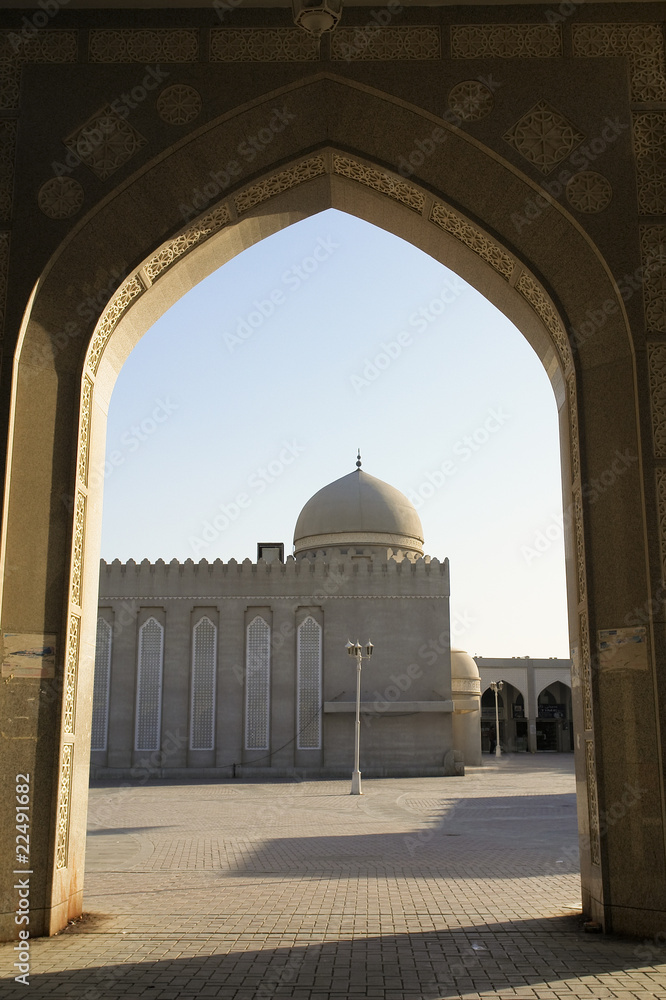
<point>64,798</point>
<point>105,142</point>
<point>60,197</point>
<point>371,41</point>
<point>471,100</point>
<point>487,249</point>
<point>143,45</point>
<point>650,150</point>
<point>380,181</point>
<point>262,45</point>
<point>656,354</point>
<point>544,137</point>
<point>179,104</point>
<point>277,183</point>
<point>589,192</point>
<point>642,43</point>
<point>653,255</point>
<point>7,153</point>
<point>506,41</point>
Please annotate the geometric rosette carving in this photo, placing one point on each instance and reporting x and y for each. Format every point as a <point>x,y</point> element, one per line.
<point>84,431</point>
<point>178,104</point>
<point>661,511</point>
<point>593,803</point>
<point>71,665</point>
<point>543,137</point>
<point>77,548</point>
<point>105,142</point>
<point>123,298</point>
<point>205,227</point>
<point>60,197</point>
<point>589,192</point>
<point>542,305</point>
<point>471,100</point>
<point>7,154</point>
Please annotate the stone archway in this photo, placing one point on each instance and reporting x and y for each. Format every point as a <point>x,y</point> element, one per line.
<point>62,383</point>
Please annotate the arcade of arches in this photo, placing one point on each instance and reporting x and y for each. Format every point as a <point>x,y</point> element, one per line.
<point>522,147</point>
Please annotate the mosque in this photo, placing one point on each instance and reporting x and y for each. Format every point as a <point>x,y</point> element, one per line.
<point>240,669</point>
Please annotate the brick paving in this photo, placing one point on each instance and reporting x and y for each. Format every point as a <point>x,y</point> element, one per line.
<point>421,889</point>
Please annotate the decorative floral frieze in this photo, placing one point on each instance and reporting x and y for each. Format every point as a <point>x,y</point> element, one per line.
<point>381,181</point>
<point>71,672</point>
<point>542,305</point>
<point>142,45</point>
<point>650,151</point>
<point>48,45</point>
<point>123,298</point>
<point>642,43</point>
<point>262,45</point>
<point>653,254</point>
<point>487,249</point>
<point>105,142</point>
<point>506,41</point>
<point>656,354</point>
<point>586,669</point>
<point>64,800</point>
<point>573,426</point>
<point>593,803</point>
<point>368,42</point>
<point>278,183</point>
<point>77,548</point>
<point>544,137</point>
<point>7,153</point>
<point>84,431</point>
<point>170,252</point>
<point>580,546</point>
<point>660,475</point>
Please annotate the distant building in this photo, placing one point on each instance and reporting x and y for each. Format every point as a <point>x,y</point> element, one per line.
<point>534,704</point>
<point>240,669</point>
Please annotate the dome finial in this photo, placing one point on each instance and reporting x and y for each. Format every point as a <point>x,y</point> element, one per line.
<point>358,459</point>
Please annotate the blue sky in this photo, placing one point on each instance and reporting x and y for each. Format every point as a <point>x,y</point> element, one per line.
<point>257,387</point>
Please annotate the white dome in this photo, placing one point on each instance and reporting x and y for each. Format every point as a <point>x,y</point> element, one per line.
<point>358,510</point>
<point>462,665</point>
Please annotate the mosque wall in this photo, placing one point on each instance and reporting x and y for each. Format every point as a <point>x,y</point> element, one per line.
<point>241,668</point>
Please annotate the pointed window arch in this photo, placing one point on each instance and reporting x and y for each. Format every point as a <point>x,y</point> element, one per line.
<point>308,671</point>
<point>100,714</point>
<point>149,686</point>
<point>202,706</point>
<point>257,684</point>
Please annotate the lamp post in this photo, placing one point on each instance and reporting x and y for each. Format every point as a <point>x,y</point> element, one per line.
<point>354,649</point>
<point>497,686</point>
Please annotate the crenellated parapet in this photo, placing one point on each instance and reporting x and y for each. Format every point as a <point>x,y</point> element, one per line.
<point>333,572</point>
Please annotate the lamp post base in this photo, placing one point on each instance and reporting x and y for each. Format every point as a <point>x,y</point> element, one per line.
<point>356,783</point>
<point>498,752</point>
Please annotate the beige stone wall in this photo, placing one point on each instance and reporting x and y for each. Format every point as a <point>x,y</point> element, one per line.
<point>406,686</point>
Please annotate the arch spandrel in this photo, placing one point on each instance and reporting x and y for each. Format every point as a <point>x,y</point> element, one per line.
<point>542,279</point>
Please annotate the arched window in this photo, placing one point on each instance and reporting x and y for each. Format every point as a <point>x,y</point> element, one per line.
<point>100,713</point>
<point>202,710</point>
<point>257,684</point>
<point>309,685</point>
<point>149,686</point>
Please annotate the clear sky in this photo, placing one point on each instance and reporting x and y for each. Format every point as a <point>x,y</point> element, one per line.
<point>257,387</point>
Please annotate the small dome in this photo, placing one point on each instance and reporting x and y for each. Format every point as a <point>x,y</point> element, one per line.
<point>358,510</point>
<point>462,665</point>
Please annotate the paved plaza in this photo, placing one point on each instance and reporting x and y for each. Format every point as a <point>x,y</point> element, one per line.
<point>421,889</point>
